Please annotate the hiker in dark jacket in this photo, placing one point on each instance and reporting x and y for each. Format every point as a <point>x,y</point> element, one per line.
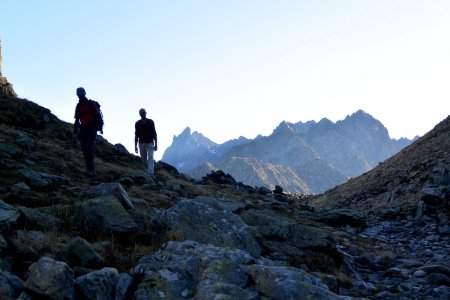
<point>87,115</point>
<point>145,134</point>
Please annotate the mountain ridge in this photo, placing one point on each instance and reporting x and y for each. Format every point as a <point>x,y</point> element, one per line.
<point>339,151</point>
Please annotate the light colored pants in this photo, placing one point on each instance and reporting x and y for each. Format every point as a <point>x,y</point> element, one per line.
<point>146,151</point>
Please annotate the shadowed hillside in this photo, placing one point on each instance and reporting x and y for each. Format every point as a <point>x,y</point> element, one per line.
<point>128,235</point>
<point>397,183</point>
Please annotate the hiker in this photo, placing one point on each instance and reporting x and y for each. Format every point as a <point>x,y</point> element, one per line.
<point>87,115</point>
<point>145,134</point>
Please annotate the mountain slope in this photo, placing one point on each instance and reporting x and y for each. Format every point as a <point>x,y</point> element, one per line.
<point>397,182</point>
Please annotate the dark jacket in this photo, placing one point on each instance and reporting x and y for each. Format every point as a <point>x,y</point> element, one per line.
<point>145,131</point>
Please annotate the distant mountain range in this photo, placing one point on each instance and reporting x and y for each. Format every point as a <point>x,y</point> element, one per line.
<point>309,157</point>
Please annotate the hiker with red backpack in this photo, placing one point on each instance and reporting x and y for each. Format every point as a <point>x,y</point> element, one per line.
<point>88,119</point>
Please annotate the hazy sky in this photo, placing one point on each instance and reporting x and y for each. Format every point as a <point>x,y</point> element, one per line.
<point>232,68</point>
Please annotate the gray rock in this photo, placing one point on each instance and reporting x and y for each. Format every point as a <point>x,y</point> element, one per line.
<point>430,193</point>
<point>39,220</point>
<point>441,293</point>
<point>42,180</point>
<point>436,269</point>
<point>20,187</point>
<point>190,270</point>
<point>371,261</point>
<point>123,286</point>
<point>268,223</point>
<point>10,286</point>
<point>8,216</point>
<point>279,282</point>
<point>438,279</point>
<point>144,219</point>
<point>329,280</point>
<point>97,285</point>
<point>11,151</point>
<point>175,270</point>
<point>207,290</point>
<point>20,193</point>
<point>22,250</point>
<point>35,239</point>
<point>190,220</point>
<point>115,189</point>
<point>104,214</point>
<point>221,203</point>
<point>364,285</point>
<point>51,278</point>
<point>25,140</point>
<point>420,273</point>
<point>444,230</point>
<point>139,177</point>
<point>80,253</point>
<point>302,236</point>
<point>397,272</point>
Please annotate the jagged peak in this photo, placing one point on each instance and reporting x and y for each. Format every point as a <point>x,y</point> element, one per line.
<point>359,114</point>
<point>284,126</point>
<point>186,131</point>
<point>324,121</point>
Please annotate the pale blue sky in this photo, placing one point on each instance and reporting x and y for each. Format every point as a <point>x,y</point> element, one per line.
<point>232,68</point>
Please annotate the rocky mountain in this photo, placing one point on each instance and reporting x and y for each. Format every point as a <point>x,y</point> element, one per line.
<point>311,157</point>
<point>127,235</point>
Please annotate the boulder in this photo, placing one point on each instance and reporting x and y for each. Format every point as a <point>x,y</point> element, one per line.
<point>222,290</point>
<point>25,140</point>
<point>139,177</point>
<point>104,214</point>
<point>280,282</point>
<point>113,188</point>
<point>80,253</point>
<point>8,216</point>
<point>191,270</point>
<point>33,238</point>
<point>42,181</point>
<point>174,271</point>
<point>10,286</point>
<point>10,151</point>
<point>303,236</point>
<point>123,287</point>
<point>20,193</point>
<point>191,220</point>
<point>219,177</point>
<point>145,219</point>
<point>38,220</point>
<point>97,285</point>
<point>268,223</point>
<point>221,203</point>
<point>51,279</point>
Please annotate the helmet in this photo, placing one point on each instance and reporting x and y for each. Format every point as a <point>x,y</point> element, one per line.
<point>81,91</point>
